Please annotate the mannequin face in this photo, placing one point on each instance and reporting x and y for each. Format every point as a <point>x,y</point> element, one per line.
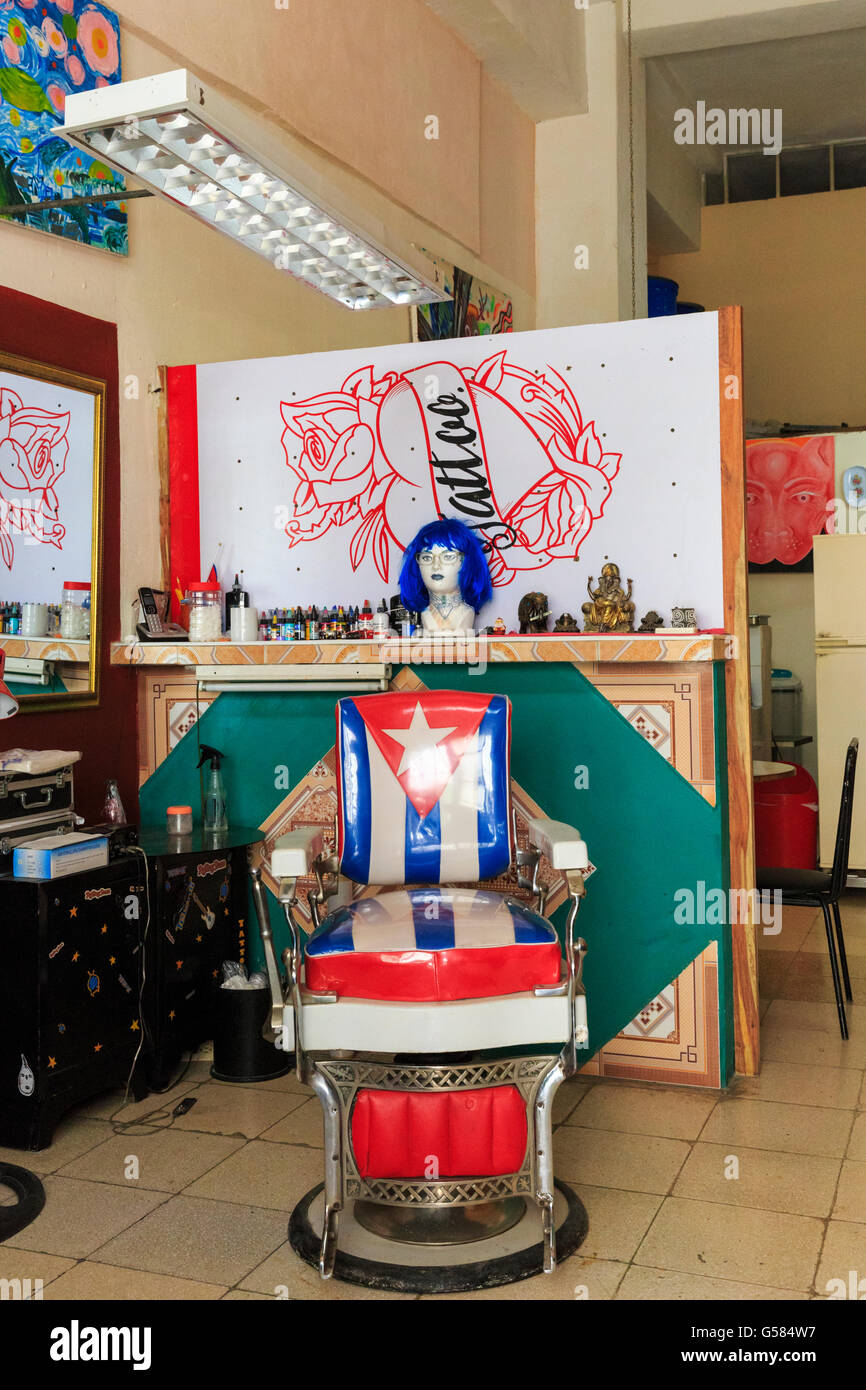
<point>440,569</point>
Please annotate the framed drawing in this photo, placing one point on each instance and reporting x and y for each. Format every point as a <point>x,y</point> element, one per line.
<point>790,484</point>
<point>51,465</point>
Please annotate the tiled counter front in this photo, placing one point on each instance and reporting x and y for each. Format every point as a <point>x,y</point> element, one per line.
<point>664,688</point>
<point>581,649</point>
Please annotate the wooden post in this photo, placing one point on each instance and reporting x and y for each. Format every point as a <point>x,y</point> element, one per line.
<point>737,689</point>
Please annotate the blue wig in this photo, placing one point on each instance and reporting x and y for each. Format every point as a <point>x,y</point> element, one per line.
<point>474,577</point>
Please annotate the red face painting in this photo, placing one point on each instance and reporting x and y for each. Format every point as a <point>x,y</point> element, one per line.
<point>789,483</point>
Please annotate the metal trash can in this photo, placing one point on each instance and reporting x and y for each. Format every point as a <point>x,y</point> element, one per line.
<point>240,1053</point>
<point>787,705</point>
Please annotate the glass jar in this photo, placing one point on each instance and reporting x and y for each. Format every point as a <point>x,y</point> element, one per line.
<point>179,820</point>
<point>75,611</point>
<point>205,612</point>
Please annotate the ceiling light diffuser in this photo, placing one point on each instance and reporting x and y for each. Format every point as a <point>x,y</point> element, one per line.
<point>192,146</point>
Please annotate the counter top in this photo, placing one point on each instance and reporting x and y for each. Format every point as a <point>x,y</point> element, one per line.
<point>577,648</point>
<point>155,841</point>
<point>46,648</point>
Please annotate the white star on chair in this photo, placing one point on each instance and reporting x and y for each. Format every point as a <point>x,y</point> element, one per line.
<point>418,741</point>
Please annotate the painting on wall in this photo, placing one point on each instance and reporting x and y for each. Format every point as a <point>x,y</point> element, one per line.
<point>474,310</point>
<point>789,495</point>
<point>49,48</point>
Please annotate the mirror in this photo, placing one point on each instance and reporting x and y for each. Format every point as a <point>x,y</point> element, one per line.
<point>51,457</point>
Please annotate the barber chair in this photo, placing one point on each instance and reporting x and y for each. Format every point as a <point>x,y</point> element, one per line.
<point>434,1023</point>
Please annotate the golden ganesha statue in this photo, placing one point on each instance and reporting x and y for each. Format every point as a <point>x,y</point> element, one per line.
<point>610,608</point>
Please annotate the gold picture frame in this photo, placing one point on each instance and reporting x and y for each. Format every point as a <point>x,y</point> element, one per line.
<point>60,651</point>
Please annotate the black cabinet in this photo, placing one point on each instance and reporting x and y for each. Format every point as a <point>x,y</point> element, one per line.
<point>199,914</point>
<point>113,974</point>
<point>70,969</point>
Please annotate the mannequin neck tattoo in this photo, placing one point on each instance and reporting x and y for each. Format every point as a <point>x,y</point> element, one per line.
<point>445,603</point>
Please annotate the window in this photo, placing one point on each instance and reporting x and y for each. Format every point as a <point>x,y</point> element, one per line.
<point>804,171</point>
<point>750,177</point>
<point>849,165</point>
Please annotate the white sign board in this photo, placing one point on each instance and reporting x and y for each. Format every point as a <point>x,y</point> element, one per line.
<point>565,448</point>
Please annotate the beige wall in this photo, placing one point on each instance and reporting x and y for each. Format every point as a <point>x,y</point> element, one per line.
<point>187,294</point>
<point>357,80</point>
<point>796,266</point>
<point>583,192</point>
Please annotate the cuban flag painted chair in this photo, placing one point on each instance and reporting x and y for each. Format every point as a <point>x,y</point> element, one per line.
<point>434,1022</point>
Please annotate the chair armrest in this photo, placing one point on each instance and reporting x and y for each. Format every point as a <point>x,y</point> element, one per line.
<point>293,854</point>
<point>558,842</point>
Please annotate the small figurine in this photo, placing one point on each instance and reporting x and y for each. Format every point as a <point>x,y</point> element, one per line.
<point>499,628</point>
<point>533,613</point>
<point>444,576</point>
<point>565,623</point>
<point>610,609</point>
<point>651,621</point>
<point>684,618</point>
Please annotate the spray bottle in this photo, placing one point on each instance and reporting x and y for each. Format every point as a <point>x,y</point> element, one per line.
<point>215,796</point>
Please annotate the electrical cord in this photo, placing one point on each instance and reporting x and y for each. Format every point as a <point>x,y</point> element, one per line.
<point>142,974</point>
<point>150,1123</point>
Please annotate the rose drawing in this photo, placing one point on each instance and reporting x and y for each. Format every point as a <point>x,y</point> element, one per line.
<point>33,451</point>
<point>352,465</point>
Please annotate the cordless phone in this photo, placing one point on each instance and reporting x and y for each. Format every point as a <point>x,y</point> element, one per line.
<point>154,629</point>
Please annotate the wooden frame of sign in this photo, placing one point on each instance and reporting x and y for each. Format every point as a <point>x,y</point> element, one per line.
<point>737,688</point>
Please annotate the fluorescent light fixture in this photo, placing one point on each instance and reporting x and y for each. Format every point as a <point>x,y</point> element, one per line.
<point>202,152</point>
<point>24,670</point>
<point>347,678</point>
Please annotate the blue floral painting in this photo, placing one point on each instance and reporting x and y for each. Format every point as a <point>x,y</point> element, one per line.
<point>49,48</point>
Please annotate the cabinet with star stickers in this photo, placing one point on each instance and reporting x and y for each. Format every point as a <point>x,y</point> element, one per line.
<point>199,912</point>
<point>70,1013</point>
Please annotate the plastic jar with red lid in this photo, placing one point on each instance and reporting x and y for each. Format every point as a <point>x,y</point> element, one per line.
<point>75,611</point>
<point>205,611</point>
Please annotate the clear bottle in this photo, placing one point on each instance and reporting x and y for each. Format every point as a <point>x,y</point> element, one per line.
<point>112,808</point>
<point>215,795</point>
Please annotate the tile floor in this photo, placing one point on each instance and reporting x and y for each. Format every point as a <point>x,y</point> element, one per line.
<point>206,1216</point>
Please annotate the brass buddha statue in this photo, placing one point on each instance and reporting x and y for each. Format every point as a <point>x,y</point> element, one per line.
<point>610,608</point>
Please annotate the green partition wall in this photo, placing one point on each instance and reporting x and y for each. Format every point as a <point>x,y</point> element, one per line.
<point>649,832</point>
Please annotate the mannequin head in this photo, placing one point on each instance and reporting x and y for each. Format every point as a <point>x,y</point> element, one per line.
<point>445,557</point>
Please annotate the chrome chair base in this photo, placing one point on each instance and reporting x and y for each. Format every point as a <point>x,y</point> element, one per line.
<point>394,1263</point>
<point>441,1225</point>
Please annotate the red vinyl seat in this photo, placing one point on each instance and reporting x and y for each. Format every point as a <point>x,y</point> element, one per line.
<point>428,944</point>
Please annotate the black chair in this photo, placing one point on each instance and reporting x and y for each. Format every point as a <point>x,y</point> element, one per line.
<point>814,888</point>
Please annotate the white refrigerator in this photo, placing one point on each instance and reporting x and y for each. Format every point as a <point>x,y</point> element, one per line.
<point>840,653</point>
